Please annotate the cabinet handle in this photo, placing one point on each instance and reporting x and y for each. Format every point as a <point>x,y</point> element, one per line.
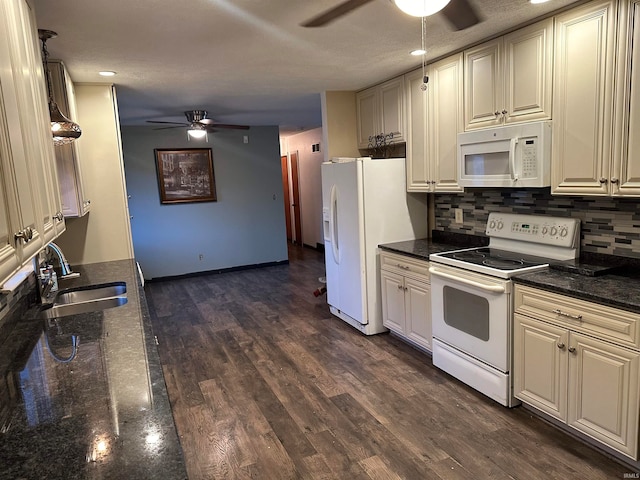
<point>557,311</point>
<point>399,287</point>
<point>496,113</point>
<point>404,267</point>
<point>504,112</point>
<point>59,216</point>
<point>603,180</point>
<point>572,349</point>
<point>615,180</point>
<point>405,289</point>
<point>25,234</point>
<point>561,346</point>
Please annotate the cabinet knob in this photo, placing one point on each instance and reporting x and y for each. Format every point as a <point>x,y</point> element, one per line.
<point>561,346</point>
<point>572,349</point>
<point>504,112</point>
<point>496,113</point>
<point>59,216</point>
<point>615,180</point>
<point>399,287</point>
<point>603,180</point>
<point>25,234</point>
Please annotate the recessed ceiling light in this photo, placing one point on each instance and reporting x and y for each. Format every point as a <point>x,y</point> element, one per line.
<point>107,73</point>
<point>538,1</point>
<point>417,52</point>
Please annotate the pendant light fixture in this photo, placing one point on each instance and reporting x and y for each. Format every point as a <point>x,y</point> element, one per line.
<point>421,8</point>
<point>63,129</point>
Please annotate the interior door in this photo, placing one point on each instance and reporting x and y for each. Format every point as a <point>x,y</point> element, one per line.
<point>293,158</point>
<point>284,165</point>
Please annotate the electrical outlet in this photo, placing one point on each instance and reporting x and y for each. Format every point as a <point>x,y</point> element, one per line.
<point>201,257</point>
<point>458,212</point>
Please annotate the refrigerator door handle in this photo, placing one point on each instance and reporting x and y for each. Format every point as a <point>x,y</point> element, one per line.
<point>333,227</point>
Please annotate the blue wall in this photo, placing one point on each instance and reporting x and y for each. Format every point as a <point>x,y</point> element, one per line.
<point>246,226</point>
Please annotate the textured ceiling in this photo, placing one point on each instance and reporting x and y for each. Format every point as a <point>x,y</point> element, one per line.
<point>249,61</point>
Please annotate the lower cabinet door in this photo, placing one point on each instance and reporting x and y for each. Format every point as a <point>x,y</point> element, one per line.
<point>540,365</point>
<point>418,312</point>
<point>393,314</point>
<point>603,392</point>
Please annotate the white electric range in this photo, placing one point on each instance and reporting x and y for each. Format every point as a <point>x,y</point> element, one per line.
<point>471,296</point>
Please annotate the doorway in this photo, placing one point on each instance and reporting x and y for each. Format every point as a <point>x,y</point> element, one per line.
<point>291,197</point>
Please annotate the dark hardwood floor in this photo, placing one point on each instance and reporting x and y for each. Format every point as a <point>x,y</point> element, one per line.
<point>265,383</point>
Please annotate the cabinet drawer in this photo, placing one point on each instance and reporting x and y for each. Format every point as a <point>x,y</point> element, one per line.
<point>407,266</point>
<point>601,321</point>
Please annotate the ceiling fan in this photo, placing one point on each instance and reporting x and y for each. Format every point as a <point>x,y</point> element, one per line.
<point>198,123</point>
<point>459,13</point>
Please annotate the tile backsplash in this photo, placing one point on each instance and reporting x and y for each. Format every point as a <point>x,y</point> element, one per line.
<point>609,226</point>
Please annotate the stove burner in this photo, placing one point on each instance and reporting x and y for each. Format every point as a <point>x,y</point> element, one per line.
<point>469,256</point>
<point>502,263</point>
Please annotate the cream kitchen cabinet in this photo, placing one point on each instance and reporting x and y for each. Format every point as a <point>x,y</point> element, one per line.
<point>406,298</point>
<point>579,362</point>
<point>583,99</point>
<point>625,173</point>
<point>509,79</point>
<point>380,110</point>
<point>31,216</point>
<point>74,201</point>
<point>444,122</point>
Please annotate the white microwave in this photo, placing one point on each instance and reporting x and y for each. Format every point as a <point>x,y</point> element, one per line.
<point>508,156</point>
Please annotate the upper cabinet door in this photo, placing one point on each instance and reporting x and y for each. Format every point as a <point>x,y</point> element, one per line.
<point>509,79</point>
<point>367,114</point>
<point>74,201</point>
<point>483,88</point>
<point>445,121</point>
<point>418,171</point>
<point>583,99</point>
<point>528,68</point>
<point>625,178</point>
<point>391,108</point>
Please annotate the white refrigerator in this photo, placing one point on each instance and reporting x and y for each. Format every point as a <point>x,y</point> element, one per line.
<point>364,204</point>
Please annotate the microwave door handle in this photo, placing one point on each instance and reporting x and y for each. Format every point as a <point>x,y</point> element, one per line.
<point>512,157</point>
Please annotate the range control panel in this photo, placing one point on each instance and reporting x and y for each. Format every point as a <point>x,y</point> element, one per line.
<point>559,231</point>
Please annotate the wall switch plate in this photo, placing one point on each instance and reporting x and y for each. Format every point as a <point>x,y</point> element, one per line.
<point>458,212</point>
<point>245,139</point>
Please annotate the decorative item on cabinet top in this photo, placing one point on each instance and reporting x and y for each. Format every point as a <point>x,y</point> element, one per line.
<point>63,129</point>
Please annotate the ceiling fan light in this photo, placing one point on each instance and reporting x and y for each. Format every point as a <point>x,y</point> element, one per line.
<point>197,131</point>
<point>421,8</point>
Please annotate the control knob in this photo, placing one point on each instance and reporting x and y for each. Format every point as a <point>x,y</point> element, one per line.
<point>564,231</point>
<point>554,231</point>
<point>545,229</point>
<point>492,224</point>
<point>500,225</point>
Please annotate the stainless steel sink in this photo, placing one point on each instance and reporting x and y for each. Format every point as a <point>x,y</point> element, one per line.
<point>86,299</point>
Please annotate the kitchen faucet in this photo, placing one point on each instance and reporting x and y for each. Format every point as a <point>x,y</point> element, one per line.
<point>64,265</point>
<point>48,278</point>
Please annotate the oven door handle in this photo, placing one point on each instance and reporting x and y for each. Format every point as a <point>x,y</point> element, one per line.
<point>482,286</point>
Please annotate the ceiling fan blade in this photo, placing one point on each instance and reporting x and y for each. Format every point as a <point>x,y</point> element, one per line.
<point>334,13</point>
<point>226,125</point>
<point>171,123</point>
<point>167,128</point>
<point>460,14</point>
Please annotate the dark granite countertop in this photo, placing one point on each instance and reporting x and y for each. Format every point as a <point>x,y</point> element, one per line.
<point>103,414</point>
<point>619,289</point>
<point>423,247</point>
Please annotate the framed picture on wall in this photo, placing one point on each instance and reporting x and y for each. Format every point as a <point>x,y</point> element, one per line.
<point>185,175</point>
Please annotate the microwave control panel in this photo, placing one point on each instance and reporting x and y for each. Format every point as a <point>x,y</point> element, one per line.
<point>529,155</point>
